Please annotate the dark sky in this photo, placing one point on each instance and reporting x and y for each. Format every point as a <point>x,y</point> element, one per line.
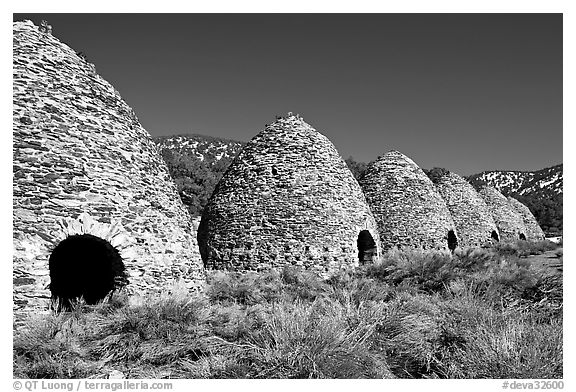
<point>468,92</point>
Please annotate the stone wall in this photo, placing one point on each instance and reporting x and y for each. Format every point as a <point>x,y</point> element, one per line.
<point>287,199</point>
<point>84,164</point>
<point>469,211</point>
<point>533,230</point>
<point>510,224</point>
<point>408,210</point>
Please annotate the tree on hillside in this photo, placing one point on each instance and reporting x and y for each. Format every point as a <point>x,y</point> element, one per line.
<point>436,173</point>
<point>357,168</point>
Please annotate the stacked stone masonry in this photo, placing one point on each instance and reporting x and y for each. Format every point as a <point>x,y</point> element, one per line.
<point>84,164</point>
<point>474,223</point>
<point>287,199</point>
<point>533,230</point>
<point>509,222</point>
<point>408,210</point>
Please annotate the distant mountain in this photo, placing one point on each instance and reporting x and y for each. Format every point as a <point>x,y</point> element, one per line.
<point>548,181</point>
<point>197,162</point>
<point>205,148</point>
<point>542,191</point>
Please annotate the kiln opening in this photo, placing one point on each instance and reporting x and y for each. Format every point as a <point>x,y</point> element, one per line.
<point>366,247</point>
<point>84,266</point>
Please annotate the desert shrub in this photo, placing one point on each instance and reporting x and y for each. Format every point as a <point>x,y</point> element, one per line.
<point>469,260</point>
<point>545,297</point>
<point>156,332</point>
<point>527,248</point>
<point>524,248</point>
<point>559,252</point>
<point>416,333</point>
<point>427,271</point>
<point>513,273</point>
<point>244,288</point>
<point>509,345</point>
<point>411,315</point>
<point>381,269</point>
<point>234,322</point>
<point>513,283</point>
<point>47,347</point>
<point>311,340</point>
<point>506,248</point>
<point>303,285</point>
<point>361,289</point>
<point>502,283</point>
<point>539,247</point>
<point>115,301</point>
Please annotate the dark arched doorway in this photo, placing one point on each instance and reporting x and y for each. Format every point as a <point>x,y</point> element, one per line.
<point>84,266</point>
<point>522,237</point>
<point>452,240</point>
<point>366,247</point>
<point>494,236</point>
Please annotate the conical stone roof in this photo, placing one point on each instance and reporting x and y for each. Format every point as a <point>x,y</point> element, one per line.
<point>509,222</point>
<point>288,198</point>
<point>533,230</point>
<point>474,222</point>
<point>408,209</point>
<point>83,164</point>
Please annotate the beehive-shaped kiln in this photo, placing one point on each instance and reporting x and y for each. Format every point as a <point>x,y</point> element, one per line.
<point>473,220</point>
<point>287,199</point>
<point>533,230</point>
<point>509,222</point>
<point>86,171</point>
<point>408,210</point>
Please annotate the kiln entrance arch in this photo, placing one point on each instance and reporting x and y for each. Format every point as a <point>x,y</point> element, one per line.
<point>84,266</point>
<point>366,247</point>
<point>494,236</point>
<point>452,240</point>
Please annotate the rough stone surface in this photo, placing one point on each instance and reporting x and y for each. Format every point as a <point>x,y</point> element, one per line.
<point>510,224</point>
<point>469,211</point>
<point>288,198</point>
<point>409,211</point>
<point>84,164</point>
<point>533,230</point>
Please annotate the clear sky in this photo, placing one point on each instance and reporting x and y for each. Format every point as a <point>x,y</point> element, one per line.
<point>468,92</point>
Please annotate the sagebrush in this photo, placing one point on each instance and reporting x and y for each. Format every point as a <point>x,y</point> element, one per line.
<point>474,313</point>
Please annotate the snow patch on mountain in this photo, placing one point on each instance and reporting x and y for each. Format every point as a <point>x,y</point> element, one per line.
<point>522,183</point>
<point>203,148</point>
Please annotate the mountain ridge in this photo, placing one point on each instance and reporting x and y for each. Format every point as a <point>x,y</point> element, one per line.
<point>541,190</point>
<point>521,182</point>
<point>197,162</point>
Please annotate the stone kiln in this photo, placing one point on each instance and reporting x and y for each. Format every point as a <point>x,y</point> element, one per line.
<point>83,165</point>
<point>510,224</point>
<point>409,211</point>
<point>474,223</point>
<point>533,230</point>
<point>287,199</point>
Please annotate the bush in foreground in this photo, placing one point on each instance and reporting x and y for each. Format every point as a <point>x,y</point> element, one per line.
<point>471,314</point>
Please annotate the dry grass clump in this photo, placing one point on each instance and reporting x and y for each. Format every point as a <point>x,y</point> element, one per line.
<point>468,314</point>
<point>559,252</point>
<point>525,248</point>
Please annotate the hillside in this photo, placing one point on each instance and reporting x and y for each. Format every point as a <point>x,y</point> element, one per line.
<point>542,191</point>
<point>548,181</point>
<point>197,162</point>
